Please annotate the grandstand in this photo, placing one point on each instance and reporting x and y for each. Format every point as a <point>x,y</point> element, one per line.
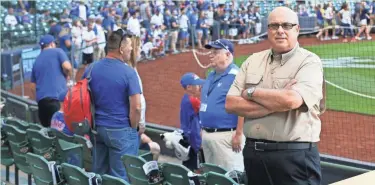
<point>347,141</point>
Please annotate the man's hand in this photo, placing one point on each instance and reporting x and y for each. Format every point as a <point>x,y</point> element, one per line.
<point>236,142</point>
<point>290,84</point>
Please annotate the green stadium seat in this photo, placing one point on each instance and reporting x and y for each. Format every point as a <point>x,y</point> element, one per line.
<point>6,155</point>
<point>61,135</point>
<point>175,174</point>
<point>41,169</point>
<point>207,167</point>
<point>146,155</point>
<point>110,180</point>
<point>87,155</point>
<point>41,144</point>
<point>69,152</point>
<point>74,175</point>
<point>134,170</point>
<point>213,178</point>
<point>19,146</point>
<point>35,126</point>
<point>22,125</point>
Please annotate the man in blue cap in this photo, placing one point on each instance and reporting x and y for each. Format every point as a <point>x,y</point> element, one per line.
<point>222,136</point>
<point>50,73</point>
<point>189,117</point>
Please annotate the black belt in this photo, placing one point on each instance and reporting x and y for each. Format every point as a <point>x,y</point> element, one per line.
<point>261,145</point>
<point>210,130</point>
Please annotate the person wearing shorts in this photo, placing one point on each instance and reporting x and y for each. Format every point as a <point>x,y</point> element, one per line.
<point>89,38</point>
<point>364,16</point>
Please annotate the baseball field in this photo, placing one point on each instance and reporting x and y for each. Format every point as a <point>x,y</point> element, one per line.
<point>349,71</point>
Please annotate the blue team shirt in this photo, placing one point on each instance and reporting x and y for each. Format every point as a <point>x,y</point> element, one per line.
<point>48,75</point>
<point>212,111</point>
<point>189,120</point>
<point>58,123</point>
<point>112,82</point>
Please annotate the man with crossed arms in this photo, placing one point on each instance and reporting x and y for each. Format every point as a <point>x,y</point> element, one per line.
<point>279,91</point>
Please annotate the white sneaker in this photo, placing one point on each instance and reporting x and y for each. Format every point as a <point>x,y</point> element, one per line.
<point>369,38</point>
<point>358,38</point>
<point>335,37</point>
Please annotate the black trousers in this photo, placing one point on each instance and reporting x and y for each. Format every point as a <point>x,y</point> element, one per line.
<point>46,108</point>
<point>282,167</point>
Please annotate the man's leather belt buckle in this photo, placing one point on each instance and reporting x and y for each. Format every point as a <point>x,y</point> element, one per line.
<point>256,144</point>
<point>211,130</point>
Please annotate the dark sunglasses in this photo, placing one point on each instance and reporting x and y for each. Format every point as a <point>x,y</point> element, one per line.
<point>285,26</point>
<point>124,34</point>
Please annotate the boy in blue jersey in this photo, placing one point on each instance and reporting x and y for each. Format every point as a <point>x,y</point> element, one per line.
<point>57,121</point>
<point>189,117</point>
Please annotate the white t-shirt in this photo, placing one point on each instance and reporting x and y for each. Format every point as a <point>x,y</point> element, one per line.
<point>82,12</point>
<point>77,36</point>
<point>100,36</point>
<point>157,19</point>
<point>10,20</point>
<point>87,36</point>
<point>183,22</point>
<point>346,17</point>
<point>143,102</point>
<point>328,14</point>
<point>134,26</point>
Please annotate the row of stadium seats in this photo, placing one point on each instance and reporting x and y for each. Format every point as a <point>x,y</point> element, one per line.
<point>43,153</point>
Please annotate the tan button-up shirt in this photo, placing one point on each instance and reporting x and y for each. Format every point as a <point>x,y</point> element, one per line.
<point>270,71</point>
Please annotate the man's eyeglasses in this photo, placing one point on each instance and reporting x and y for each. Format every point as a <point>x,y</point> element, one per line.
<point>285,26</point>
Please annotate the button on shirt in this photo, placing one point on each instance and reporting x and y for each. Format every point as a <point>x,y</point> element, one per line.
<point>270,71</point>
<point>212,111</point>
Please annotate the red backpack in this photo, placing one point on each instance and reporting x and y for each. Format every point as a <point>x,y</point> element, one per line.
<point>79,108</point>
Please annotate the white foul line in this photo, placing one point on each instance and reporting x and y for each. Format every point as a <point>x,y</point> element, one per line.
<point>349,91</point>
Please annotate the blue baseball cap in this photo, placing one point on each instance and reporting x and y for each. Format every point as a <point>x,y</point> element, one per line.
<point>46,39</point>
<point>221,44</point>
<point>191,79</point>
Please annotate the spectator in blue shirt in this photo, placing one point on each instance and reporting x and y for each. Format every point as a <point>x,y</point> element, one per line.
<point>116,91</point>
<point>222,138</point>
<point>50,73</point>
<point>54,29</point>
<point>189,117</point>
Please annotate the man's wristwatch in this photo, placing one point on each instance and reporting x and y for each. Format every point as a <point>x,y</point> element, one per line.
<point>250,92</point>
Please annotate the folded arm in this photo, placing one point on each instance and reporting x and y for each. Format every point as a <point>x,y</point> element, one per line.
<point>277,100</point>
<point>245,108</point>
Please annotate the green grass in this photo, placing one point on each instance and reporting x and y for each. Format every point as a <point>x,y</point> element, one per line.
<point>359,49</point>
<point>360,80</point>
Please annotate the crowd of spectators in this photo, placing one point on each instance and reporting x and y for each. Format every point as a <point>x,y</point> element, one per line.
<point>171,27</point>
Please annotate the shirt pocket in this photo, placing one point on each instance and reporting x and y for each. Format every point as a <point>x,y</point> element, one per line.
<point>253,80</point>
<point>280,82</point>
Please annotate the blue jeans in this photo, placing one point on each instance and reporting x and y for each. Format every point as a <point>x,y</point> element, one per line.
<point>110,145</point>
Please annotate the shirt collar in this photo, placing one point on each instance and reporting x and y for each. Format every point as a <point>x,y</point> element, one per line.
<point>230,66</point>
<point>286,56</point>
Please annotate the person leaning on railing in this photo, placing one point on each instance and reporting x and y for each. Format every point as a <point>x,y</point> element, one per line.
<point>50,74</point>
